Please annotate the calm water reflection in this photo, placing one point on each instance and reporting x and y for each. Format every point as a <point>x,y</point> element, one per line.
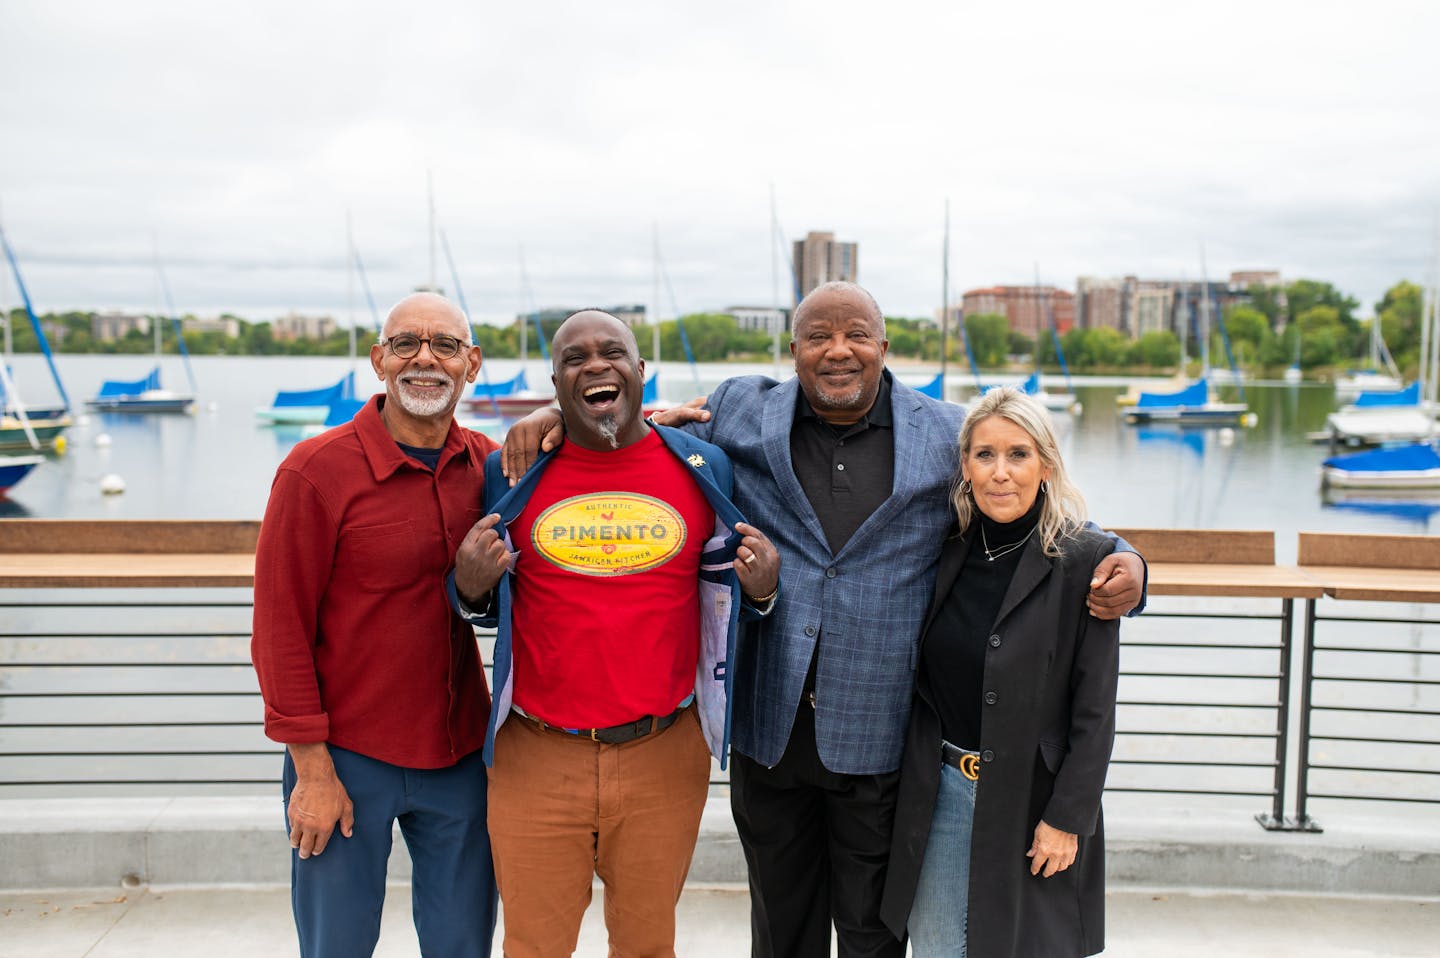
<point>219,462</point>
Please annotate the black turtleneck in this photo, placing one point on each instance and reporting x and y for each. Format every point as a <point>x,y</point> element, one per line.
<point>952,662</point>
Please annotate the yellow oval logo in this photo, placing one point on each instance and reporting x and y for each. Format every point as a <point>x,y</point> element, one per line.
<point>609,533</point>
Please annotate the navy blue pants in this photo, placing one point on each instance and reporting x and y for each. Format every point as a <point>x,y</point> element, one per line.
<point>337,895</point>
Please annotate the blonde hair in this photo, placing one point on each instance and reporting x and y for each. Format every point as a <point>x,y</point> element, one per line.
<point>1063,508</point>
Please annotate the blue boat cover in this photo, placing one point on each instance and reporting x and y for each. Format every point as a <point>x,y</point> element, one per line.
<point>1409,396</point>
<point>652,389</point>
<point>506,388</point>
<point>119,388</point>
<point>1031,386</point>
<point>344,410</point>
<point>1413,458</point>
<point>344,389</point>
<point>933,388</point>
<point>1197,394</point>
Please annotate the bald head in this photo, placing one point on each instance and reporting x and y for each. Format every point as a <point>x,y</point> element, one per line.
<point>432,307</point>
<point>599,380</point>
<point>837,290</point>
<point>584,321</point>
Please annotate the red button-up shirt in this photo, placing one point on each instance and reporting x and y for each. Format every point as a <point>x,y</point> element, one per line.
<point>354,641</point>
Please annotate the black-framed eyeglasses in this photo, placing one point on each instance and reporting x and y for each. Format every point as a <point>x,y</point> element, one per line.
<point>407,346</point>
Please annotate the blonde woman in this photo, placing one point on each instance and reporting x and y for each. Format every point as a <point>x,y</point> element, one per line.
<point>998,842</point>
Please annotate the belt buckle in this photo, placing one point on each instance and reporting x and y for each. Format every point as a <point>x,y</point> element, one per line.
<point>970,766</point>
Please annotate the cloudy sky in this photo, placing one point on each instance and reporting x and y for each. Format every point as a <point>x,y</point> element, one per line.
<point>1095,138</point>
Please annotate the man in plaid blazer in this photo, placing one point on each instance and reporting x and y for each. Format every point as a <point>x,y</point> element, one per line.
<point>823,686</point>
<point>848,470</point>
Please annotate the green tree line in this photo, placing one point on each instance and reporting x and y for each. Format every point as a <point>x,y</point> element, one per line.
<point>1306,319</point>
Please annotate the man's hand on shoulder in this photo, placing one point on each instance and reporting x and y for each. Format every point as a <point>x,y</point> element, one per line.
<point>318,802</point>
<point>538,432</point>
<point>480,561</point>
<point>1116,586</point>
<point>677,416</point>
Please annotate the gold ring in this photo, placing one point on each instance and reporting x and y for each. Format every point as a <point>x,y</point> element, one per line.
<point>750,559</point>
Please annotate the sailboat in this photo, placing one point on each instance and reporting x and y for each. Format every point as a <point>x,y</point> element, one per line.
<point>1192,405</point>
<point>146,394</point>
<point>1371,380</point>
<point>1032,386</point>
<point>15,468</point>
<point>319,406</point>
<point>22,426</point>
<point>1412,466</point>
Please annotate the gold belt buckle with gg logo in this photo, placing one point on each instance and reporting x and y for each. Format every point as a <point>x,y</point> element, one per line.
<point>970,766</point>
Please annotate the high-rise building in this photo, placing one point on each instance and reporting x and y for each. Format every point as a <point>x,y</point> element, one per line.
<point>1101,303</point>
<point>1030,309</point>
<point>820,259</point>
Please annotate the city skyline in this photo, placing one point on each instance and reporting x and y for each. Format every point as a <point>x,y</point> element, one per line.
<point>1110,140</point>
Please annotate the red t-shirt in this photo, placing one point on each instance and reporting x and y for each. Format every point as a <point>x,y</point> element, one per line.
<point>606,618</point>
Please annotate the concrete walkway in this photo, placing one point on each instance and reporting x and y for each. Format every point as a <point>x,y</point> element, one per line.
<point>250,921</point>
<point>177,877</point>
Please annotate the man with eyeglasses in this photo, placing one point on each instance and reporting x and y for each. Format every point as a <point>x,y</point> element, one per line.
<point>617,619</point>
<point>371,682</point>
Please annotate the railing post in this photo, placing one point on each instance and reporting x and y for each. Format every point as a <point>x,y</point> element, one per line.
<point>1304,822</point>
<point>1274,820</point>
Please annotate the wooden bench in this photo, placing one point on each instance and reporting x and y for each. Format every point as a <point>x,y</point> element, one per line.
<point>1218,562</point>
<point>116,553</point>
<point>1373,568</point>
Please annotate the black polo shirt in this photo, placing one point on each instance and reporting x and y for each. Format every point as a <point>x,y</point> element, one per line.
<point>846,471</point>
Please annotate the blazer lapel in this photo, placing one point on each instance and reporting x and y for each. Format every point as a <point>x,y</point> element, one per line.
<point>1034,567</point>
<point>776,419</point>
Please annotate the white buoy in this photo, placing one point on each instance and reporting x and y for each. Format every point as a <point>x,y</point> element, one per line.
<point>102,440</point>
<point>111,484</point>
<point>1226,436</point>
<point>213,407</point>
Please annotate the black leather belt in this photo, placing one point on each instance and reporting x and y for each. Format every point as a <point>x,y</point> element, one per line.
<point>966,761</point>
<point>615,734</point>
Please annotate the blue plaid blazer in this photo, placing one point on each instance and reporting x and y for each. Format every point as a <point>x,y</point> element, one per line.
<point>863,607</point>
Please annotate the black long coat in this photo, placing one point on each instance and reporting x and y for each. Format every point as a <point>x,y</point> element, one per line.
<point>1045,747</point>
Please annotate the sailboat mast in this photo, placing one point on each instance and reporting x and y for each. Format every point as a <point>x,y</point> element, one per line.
<point>159,294</point>
<point>655,295</point>
<point>350,285</point>
<point>1204,317</point>
<point>944,297</point>
<point>774,285</point>
<point>521,315</point>
<point>430,195</point>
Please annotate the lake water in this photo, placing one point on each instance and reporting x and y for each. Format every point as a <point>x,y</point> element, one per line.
<point>162,697</point>
<point>218,463</point>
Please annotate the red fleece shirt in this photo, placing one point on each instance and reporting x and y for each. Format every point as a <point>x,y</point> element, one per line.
<point>606,610</point>
<point>354,641</point>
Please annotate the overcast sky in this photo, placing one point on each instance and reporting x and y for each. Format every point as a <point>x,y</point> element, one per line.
<point>1091,138</point>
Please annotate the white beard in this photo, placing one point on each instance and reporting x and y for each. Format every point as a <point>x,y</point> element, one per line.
<point>426,406</point>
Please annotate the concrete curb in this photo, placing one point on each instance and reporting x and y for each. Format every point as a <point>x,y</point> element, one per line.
<point>73,843</point>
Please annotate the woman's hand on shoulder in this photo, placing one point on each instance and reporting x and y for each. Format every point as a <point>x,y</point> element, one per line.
<point>1052,850</point>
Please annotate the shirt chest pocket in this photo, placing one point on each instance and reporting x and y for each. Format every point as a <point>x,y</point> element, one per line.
<point>374,557</point>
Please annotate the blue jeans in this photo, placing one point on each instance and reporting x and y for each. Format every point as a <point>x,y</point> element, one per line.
<point>938,914</point>
<point>337,896</point>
